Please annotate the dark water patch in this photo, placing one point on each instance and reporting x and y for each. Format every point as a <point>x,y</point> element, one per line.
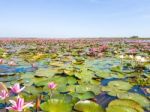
<point>4,69</point>
<point>140,90</point>
<point>2,106</point>
<point>104,99</point>
<point>105,82</point>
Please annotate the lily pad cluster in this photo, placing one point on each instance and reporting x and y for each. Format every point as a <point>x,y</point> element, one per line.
<point>81,70</point>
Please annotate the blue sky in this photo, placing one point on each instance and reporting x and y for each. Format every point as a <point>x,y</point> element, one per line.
<point>74,18</point>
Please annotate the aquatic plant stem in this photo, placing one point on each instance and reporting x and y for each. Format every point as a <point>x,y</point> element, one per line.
<point>38,100</point>
<point>51,93</point>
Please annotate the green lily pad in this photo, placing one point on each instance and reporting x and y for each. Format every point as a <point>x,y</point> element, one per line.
<point>84,96</point>
<point>120,70</point>
<point>65,97</point>
<point>88,87</point>
<point>143,101</point>
<point>88,106</point>
<point>103,74</point>
<point>26,81</point>
<point>71,80</point>
<point>85,75</point>
<point>57,64</point>
<point>125,103</point>
<point>41,82</point>
<point>115,87</point>
<point>122,85</point>
<point>56,105</point>
<point>120,109</point>
<point>33,90</point>
<point>45,72</point>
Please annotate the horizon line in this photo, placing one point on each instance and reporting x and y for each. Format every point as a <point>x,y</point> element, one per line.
<point>26,37</point>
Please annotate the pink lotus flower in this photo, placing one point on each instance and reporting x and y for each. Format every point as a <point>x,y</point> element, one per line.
<point>11,63</point>
<point>1,61</point>
<point>100,54</point>
<point>103,48</point>
<point>52,85</point>
<point>16,88</point>
<point>133,50</point>
<point>3,94</point>
<point>19,105</point>
<point>34,65</point>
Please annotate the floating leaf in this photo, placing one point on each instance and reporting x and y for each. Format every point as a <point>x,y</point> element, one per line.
<point>88,87</point>
<point>55,105</point>
<point>45,72</point>
<point>84,96</point>
<point>88,106</point>
<point>125,103</point>
<point>85,75</point>
<point>143,101</point>
<point>116,87</point>
<point>120,109</point>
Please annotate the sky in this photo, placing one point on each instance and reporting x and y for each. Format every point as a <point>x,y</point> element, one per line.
<point>74,18</point>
